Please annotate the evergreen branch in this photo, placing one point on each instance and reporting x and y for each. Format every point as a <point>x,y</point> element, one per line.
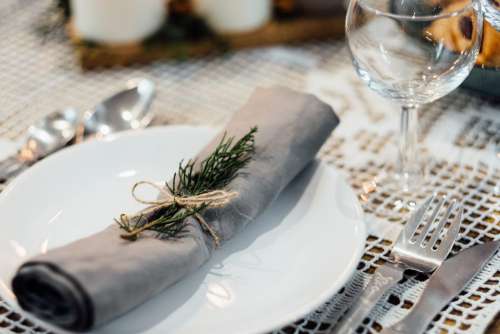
<point>192,179</point>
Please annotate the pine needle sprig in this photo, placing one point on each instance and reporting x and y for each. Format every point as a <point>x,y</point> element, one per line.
<point>217,170</point>
<point>191,179</point>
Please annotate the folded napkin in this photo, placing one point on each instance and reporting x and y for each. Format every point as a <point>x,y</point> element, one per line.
<point>91,281</point>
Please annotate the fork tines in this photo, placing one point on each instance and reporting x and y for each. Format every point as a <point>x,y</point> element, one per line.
<point>430,225</point>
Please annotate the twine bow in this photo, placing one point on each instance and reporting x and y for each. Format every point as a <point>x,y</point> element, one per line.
<point>211,199</point>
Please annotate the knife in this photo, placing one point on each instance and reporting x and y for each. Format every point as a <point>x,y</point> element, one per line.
<point>444,285</point>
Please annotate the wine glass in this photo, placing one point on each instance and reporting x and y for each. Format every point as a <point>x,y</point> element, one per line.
<point>413,52</point>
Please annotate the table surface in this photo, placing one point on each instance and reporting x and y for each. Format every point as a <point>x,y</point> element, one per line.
<point>459,135</point>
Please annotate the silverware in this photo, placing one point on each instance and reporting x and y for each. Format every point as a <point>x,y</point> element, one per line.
<point>44,137</point>
<point>125,110</point>
<point>424,251</point>
<point>445,284</point>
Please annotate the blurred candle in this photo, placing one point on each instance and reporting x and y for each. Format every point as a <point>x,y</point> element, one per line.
<point>117,21</point>
<point>230,16</point>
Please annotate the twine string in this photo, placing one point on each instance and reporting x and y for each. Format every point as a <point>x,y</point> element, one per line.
<point>211,199</point>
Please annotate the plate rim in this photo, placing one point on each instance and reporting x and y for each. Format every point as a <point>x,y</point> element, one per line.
<point>360,227</point>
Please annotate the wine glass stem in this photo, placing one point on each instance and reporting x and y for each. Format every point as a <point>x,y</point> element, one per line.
<point>409,171</point>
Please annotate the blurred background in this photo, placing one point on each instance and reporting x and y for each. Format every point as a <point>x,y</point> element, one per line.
<point>61,53</point>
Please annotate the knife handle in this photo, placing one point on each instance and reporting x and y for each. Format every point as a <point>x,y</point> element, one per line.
<point>384,278</point>
<point>428,305</point>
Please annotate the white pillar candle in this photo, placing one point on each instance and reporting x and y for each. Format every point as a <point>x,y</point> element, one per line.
<point>117,21</point>
<point>230,16</point>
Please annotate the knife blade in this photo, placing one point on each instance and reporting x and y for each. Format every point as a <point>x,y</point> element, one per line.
<point>445,284</point>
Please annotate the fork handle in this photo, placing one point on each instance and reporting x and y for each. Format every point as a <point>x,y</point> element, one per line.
<point>384,278</point>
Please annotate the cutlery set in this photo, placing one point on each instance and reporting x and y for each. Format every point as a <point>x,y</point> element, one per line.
<point>423,248</point>
<point>125,110</point>
<point>444,285</point>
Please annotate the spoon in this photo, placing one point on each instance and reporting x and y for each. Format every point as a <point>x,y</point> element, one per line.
<point>125,110</point>
<point>43,138</point>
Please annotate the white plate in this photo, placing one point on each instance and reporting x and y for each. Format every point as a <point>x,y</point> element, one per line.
<point>284,265</point>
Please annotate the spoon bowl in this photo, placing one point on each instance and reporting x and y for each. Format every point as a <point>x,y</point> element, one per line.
<point>50,134</point>
<point>126,110</point>
<point>46,136</point>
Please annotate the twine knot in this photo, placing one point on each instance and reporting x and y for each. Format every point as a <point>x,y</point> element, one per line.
<point>210,199</point>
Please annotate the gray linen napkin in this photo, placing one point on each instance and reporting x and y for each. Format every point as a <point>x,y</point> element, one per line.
<point>91,281</point>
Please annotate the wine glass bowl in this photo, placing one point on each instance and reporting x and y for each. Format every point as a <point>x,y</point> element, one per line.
<point>413,52</point>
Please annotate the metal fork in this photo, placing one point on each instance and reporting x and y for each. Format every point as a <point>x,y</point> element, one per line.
<point>409,252</point>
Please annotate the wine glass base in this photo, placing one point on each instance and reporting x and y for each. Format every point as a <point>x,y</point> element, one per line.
<point>407,181</point>
<point>402,182</point>
<point>399,192</point>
